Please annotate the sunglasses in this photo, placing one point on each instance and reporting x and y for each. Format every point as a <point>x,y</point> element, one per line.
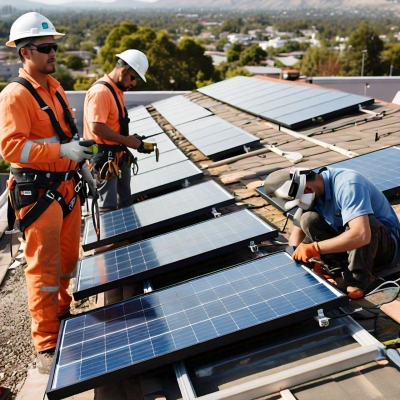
<point>134,78</point>
<point>45,48</point>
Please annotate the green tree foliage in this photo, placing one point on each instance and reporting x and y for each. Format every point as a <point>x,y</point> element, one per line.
<point>219,45</point>
<point>4,166</point>
<point>320,61</point>
<point>83,83</point>
<point>233,53</point>
<point>391,56</point>
<point>232,25</point>
<point>64,77</point>
<point>365,37</point>
<point>171,66</point>
<point>74,62</point>
<point>238,71</point>
<point>252,55</point>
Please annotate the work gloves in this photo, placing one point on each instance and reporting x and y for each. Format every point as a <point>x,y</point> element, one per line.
<point>304,252</point>
<point>75,152</point>
<point>145,147</point>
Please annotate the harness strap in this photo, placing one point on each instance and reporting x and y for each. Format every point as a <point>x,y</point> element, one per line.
<point>56,125</point>
<point>121,115</point>
<point>41,177</point>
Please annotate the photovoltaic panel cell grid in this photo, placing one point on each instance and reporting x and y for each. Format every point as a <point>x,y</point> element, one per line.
<point>285,104</point>
<point>155,213</point>
<point>168,177</point>
<point>196,316</point>
<point>138,113</point>
<point>214,136</point>
<point>145,127</point>
<point>179,110</point>
<point>170,251</point>
<point>381,167</point>
<point>170,157</point>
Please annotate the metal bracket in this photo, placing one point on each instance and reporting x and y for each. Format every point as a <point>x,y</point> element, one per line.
<point>186,183</point>
<point>321,319</point>
<point>253,247</point>
<point>215,213</point>
<point>246,150</point>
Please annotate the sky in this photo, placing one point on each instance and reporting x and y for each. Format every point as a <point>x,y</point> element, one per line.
<point>70,1</point>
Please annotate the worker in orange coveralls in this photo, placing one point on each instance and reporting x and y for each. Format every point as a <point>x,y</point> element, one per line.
<point>36,128</point>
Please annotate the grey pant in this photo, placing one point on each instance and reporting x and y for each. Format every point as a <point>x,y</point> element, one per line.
<point>364,261</point>
<point>116,193</point>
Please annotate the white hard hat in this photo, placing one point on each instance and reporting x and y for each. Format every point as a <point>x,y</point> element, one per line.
<point>136,60</point>
<point>32,24</point>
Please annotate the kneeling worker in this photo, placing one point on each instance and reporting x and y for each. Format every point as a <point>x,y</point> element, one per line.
<point>345,213</point>
<point>106,122</point>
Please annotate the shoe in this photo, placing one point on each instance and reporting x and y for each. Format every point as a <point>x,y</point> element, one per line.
<point>45,361</point>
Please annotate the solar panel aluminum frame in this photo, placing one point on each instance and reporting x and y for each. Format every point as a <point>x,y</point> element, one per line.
<point>197,348</point>
<point>167,185</point>
<point>158,225</point>
<point>172,266</point>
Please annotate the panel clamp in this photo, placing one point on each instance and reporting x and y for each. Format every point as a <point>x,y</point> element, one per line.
<point>186,183</point>
<point>215,213</point>
<point>323,321</point>
<point>253,247</point>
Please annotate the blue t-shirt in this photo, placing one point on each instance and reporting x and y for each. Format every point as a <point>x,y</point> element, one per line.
<point>348,195</point>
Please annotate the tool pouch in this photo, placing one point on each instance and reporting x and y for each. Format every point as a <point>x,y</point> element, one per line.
<point>23,194</point>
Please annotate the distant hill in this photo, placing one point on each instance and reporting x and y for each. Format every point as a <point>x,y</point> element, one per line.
<point>242,4</point>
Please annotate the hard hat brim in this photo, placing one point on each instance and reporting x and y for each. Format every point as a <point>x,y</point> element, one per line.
<point>56,36</point>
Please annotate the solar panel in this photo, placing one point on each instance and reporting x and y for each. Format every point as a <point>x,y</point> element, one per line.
<point>146,332</point>
<point>156,213</point>
<point>179,110</point>
<point>145,127</point>
<point>138,113</point>
<point>285,104</point>
<point>164,144</point>
<point>170,157</point>
<point>381,167</point>
<point>158,180</point>
<point>171,251</point>
<point>215,137</point>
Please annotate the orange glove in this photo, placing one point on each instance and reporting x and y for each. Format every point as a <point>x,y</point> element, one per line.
<point>304,252</point>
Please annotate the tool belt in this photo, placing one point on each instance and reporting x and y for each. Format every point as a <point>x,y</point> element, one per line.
<point>106,163</point>
<point>24,186</point>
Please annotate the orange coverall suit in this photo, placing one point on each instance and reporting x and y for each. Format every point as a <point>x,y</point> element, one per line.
<point>100,107</point>
<point>28,140</point>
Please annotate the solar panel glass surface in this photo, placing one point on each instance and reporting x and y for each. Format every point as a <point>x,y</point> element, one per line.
<point>200,315</point>
<point>169,176</point>
<point>155,213</point>
<point>170,251</point>
<point>303,106</point>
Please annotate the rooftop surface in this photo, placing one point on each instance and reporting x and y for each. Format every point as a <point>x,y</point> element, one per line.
<point>357,133</point>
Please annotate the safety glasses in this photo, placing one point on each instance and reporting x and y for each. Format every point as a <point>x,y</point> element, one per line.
<point>45,48</point>
<point>134,78</point>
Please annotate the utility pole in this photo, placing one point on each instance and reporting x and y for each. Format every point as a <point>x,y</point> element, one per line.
<point>362,62</point>
<point>391,69</point>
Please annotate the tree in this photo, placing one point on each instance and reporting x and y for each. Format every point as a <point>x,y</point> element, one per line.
<point>364,38</point>
<point>233,53</point>
<point>74,62</point>
<point>232,25</point>
<point>83,83</point>
<point>320,61</point>
<point>238,71</point>
<point>64,77</point>
<point>171,66</point>
<point>252,55</point>
<point>391,56</point>
<point>221,43</point>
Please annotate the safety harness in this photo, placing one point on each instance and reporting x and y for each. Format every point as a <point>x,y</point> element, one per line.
<point>104,162</point>
<point>25,183</point>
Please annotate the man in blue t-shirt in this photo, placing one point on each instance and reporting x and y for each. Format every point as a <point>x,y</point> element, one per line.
<point>346,213</point>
